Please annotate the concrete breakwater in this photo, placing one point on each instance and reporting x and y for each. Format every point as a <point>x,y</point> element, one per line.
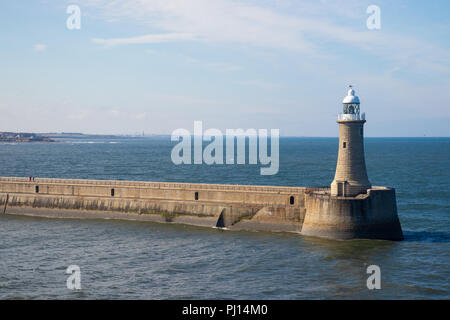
<point>311,211</point>
<point>226,206</point>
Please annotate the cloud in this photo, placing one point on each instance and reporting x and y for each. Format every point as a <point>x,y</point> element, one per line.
<point>40,47</point>
<point>150,38</point>
<point>307,27</point>
<point>208,21</point>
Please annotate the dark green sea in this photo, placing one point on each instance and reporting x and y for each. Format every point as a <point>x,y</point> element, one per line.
<point>143,260</point>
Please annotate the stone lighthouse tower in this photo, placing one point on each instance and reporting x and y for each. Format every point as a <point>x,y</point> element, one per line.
<point>351,175</point>
<point>352,208</point>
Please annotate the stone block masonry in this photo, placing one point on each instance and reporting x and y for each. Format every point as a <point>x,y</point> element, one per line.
<point>310,211</point>
<point>214,205</point>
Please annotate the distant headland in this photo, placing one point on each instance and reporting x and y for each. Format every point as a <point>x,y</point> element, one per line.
<point>11,137</point>
<point>23,137</point>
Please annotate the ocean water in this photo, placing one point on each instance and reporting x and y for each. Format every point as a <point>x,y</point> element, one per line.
<point>143,260</point>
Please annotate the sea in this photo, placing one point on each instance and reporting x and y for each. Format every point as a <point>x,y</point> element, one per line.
<point>145,260</point>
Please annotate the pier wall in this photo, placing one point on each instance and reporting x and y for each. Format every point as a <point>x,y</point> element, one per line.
<point>309,211</point>
<point>226,206</point>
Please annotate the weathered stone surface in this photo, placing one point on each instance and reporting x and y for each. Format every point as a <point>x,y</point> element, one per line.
<point>351,165</point>
<point>222,206</point>
<point>313,212</point>
<point>369,216</point>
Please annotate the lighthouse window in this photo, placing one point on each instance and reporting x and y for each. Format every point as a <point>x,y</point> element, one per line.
<point>112,192</point>
<point>196,196</point>
<point>344,145</point>
<point>291,200</point>
<point>36,189</point>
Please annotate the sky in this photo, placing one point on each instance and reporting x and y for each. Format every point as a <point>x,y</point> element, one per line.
<point>155,66</point>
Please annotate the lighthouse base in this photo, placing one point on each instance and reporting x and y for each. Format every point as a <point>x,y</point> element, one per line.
<point>366,216</point>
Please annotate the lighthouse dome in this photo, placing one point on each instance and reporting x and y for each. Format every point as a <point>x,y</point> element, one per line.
<point>351,98</point>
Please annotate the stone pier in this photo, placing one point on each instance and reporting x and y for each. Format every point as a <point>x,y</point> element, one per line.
<point>309,211</point>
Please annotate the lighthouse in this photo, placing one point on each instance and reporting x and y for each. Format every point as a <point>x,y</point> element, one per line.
<point>352,208</point>
<point>351,176</point>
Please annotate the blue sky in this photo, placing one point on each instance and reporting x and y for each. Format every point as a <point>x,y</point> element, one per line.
<point>156,66</point>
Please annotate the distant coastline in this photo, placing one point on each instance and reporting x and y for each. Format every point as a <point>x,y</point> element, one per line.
<point>23,137</point>
<point>26,137</point>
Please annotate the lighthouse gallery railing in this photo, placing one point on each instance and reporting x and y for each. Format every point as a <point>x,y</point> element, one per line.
<point>351,116</point>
